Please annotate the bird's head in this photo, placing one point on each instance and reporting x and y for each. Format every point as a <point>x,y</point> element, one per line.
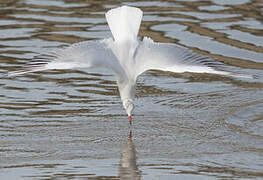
<point>128,106</point>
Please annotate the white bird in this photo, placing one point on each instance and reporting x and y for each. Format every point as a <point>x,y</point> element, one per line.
<point>125,55</point>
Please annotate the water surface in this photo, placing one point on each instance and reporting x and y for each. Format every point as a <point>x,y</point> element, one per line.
<point>69,124</point>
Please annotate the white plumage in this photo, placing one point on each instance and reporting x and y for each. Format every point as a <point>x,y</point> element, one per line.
<point>125,55</point>
<point>124,23</point>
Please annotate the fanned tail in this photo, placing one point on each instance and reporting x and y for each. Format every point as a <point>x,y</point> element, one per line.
<point>124,22</point>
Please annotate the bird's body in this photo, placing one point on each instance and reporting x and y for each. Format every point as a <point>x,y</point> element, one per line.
<point>125,55</point>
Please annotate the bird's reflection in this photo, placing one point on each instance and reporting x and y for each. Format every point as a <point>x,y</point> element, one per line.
<point>128,168</point>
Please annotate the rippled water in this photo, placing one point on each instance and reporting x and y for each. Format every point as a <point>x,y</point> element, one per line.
<point>70,124</point>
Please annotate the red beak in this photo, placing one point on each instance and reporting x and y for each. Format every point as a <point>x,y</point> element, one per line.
<point>130,120</point>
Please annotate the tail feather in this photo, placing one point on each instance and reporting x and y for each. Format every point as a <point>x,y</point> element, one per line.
<point>124,22</point>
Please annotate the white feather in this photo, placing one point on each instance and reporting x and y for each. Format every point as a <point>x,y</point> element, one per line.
<point>124,22</point>
<point>171,57</point>
<point>86,54</point>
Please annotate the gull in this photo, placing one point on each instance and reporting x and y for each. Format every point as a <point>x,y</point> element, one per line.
<point>125,55</point>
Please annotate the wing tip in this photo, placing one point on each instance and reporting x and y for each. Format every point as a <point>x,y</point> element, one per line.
<point>27,69</point>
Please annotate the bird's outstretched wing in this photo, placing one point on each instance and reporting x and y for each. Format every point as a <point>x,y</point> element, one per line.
<point>171,57</point>
<point>87,54</point>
